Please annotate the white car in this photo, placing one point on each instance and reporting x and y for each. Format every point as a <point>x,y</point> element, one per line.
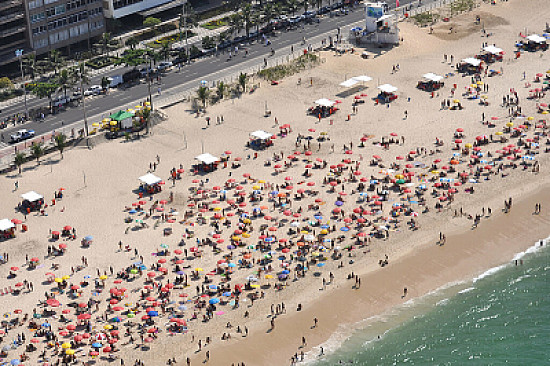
<point>93,90</point>
<point>21,135</point>
<point>165,66</point>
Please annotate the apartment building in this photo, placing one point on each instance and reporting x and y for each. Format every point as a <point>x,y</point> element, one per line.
<point>13,29</point>
<point>56,24</point>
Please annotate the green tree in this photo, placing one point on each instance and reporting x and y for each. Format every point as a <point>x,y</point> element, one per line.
<point>305,4</point>
<point>37,151</point>
<point>60,143</point>
<point>65,80</point>
<point>243,78</point>
<point>292,6</point>
<point>146,114</point>
<point>203,93</point>
<point>152,23</point>
<point>268,12</point>
<point>165,49</point>
<point>19,159</point>
<point>221,89</point>
<point>133,58</point>
<point>105,82</point>
<point>246,18</point>
<point>45,90</point>
<point>5,83</point>
<point>30,65</point>
<point>207,42</point>
<point>106,43</point>
<point>54,61</point>
<point>235,23</point>
<point>132,43</point>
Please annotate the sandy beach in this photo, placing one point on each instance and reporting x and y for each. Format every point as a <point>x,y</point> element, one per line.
<point>218,253</point>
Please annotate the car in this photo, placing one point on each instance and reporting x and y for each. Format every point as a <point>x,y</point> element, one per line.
<point>165,66</point>
<point>308,14</point>
<point>21,135</point>
<point>143,71</point>
<point>93,90</point>
<point>295,19</point>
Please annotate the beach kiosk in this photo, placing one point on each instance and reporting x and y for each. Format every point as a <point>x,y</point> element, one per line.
<point>32,201</point>
<point>430,82</point>
<point>207,162</point>
<point>123,119</point>
<point>323,108</point>
<point>534,42</point>
<point>491,54</point>
<point>7,229</point>
<point>260,139</point>
<point>150,183</point>
<point>387,93</point>
<point>470,65</point>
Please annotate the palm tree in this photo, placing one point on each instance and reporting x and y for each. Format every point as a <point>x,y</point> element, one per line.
<point>166,47</point>
<point>246,15</point>
<point>37,151</point>
<point>292,6</point>
<point>268,12</point>
<point>29,65</point>
<point>146,114</point>
<point>55,60</point>
<point>243,78</point>
<point>236,23</point>
<point>106,43</point>
<point>221,89</point>
<point>60,143</point>
<point>19,159</point>
<point>203,93</point>
<point>65,80</point>
<point>132,43</point>
<point>305,4</point>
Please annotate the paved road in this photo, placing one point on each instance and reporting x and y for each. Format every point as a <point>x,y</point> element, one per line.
<point>210,69</point>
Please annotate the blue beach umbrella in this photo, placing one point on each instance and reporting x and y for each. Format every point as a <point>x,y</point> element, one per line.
<point>214,300</point>
<point>153,313</point>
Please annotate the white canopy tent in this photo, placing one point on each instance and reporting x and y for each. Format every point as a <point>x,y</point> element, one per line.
<point>150,179</point>
<point>324,102</point>
<point>6,224</point>
<point>432,77</point>
<point>493,50</point>
<point>387,88</point>
<point>536,38</point>
<point>261,135</point>
<point>349,83</point>
<point>31,196</point>
<point>472,61</point>
<point>362,78</point>
<point>207,158</point>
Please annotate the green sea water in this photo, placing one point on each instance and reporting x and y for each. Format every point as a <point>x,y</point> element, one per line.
<point>500,318</point>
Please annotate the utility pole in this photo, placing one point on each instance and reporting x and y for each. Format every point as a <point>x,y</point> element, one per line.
<point>81,71</point>
<point>19,53</point>
<point>149,82</point>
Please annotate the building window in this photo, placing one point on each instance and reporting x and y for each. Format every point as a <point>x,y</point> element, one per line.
<point>35,4</point>
<point>37,17</point>
<point>39,43</point>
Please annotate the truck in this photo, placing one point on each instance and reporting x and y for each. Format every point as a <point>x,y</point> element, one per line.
<point>115,80</point>
<point>21,135</point>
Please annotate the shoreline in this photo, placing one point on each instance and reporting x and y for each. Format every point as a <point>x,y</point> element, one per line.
<point>464,257</point>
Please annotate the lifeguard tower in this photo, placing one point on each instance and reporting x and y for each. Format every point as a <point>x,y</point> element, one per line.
<point>380,26</point>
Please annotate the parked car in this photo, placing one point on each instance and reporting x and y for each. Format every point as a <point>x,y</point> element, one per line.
<point>165,66</point>
<point>143,71</point>
<point>295,19</point>
<point>93,90</point>
<point>21,135</point>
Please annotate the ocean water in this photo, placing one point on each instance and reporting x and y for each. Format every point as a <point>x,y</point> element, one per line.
<point>500,318</point>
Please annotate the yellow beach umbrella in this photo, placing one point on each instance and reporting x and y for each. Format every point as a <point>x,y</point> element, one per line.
<point>530,118</point>
<point>544,112</point>
<point>468,145</point>
<point>198,269</point>
<point>69,352</point>
<point>96,124</point>
<point>217,209</point>
<point>399,176</point>
<point>66,277</point>
<point>304,232</point>
<point>510,124</point>
<point>247,221</point>
<point>434,172</point>
<point>246,235</point>
<point>66,345</point>
<point>255,286</point>
<point>256,187</point>
<point>324,232</point>
<point>456,101</point>
<point>498,133</point>
<point>108,327</point>
<point>103,277</point>
<point>113,123</point>
<point>105,120</point>
<point>58,280</point>
<point>236,238</point>
<point>480,83</point>
<point>261,181</point>
<point>268,276</point>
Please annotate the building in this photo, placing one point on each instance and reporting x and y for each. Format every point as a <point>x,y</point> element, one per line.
<point>116,9</point>
<point>13,30</point>
<point>380,26</point>
<point>54,24</point>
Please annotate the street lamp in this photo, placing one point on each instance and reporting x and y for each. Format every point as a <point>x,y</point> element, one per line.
<point>19,53</point>
<point>184,16</point>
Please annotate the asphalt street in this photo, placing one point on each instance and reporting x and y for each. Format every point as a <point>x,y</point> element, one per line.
<point>188,78</point>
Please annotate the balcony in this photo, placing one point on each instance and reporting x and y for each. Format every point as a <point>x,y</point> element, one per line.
<point>10,4</point>
<point>11,17</point>
<point>12,31</point>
